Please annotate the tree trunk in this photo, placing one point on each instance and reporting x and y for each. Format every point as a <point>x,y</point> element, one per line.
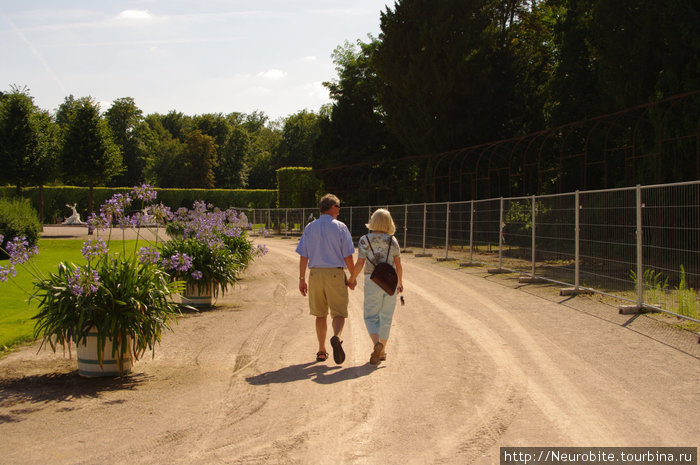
<point>41,205</point>
<point>91,197</point>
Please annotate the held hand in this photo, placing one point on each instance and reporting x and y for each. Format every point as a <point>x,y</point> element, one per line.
<point>303,288</point>
<point>352,283</point>
<point>399,288</point>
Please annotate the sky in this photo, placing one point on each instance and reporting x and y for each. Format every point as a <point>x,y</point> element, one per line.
<point>194,57</point>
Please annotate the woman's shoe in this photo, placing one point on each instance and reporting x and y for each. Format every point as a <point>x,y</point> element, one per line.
<point>376,354</point>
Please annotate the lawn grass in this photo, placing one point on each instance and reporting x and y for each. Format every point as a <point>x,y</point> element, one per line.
<point>16,312</point>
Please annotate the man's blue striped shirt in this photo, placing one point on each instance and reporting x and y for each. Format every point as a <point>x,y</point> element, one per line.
<point>326,242</point>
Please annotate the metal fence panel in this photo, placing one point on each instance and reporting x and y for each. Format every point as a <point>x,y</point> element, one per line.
<point>639,244</point>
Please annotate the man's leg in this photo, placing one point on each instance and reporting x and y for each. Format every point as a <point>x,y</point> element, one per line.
<point>321,332</point>
<point>338,323</point>
<point>338,352</point>
<point>337,295</point>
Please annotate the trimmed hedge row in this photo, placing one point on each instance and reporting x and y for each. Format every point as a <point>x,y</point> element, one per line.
<point>298,187</point>
<point>57,197</point>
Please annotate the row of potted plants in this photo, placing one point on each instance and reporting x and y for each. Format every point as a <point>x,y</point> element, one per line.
<point>119,301</point>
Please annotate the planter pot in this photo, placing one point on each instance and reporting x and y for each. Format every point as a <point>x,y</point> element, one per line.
<point>196,298</point>
<point>88,363</point>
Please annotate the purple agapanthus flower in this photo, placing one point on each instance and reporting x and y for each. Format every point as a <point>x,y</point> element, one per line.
<point>7,273</point>
<point>233,232</point>
<point>161,213</point>
<point>84,281</point>
<point>145,193</point>
<point>149,255</point>
<point>261,250</point>
<point>178,262</point>
<point>196,275</point>
<point>94,248</point>
<point>115,207</point>
<point>100,221</point>
<point>19,251</point>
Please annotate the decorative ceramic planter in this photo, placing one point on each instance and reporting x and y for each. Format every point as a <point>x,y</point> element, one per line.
<point>196,298</point>
<point>88,362</point>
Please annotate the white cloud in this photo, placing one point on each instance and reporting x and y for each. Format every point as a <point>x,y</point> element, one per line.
<point>309,58</point>
<point>135,15</point>
<point>272,74</point>
<point>315,90</point>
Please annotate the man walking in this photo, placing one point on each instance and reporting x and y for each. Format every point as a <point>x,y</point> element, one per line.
<point>326,249</point>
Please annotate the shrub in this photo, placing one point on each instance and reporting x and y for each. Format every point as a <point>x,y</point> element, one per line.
<point>56,198</point>
<point>17,219</point>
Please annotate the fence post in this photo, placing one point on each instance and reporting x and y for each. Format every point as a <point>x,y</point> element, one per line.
<point>640,265</point>
<point>425,216</point>
<point>425,220</point>
<point>534,222</point>
<point>351,210</point>
<point>500,237</point>
<point>405,226</point>
<point>471,231</point>
<point>577,241</point>
<point>447,230</point>
<point>626,309</point>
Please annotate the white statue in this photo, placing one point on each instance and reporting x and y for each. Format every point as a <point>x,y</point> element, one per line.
<point>147,219</point>
<point>75,217</point>
<point>243,221</point>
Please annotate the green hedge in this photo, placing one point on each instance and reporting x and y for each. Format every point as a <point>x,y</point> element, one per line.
<point>17,219</point>
<point>56,198</point>
<point>298,187</point>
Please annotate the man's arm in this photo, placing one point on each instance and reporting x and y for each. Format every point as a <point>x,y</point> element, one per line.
<point>303,263</point>
<point>351,267</point>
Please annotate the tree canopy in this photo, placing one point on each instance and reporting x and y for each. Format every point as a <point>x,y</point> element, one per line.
<point>28,141</point>
<point>440,76</point>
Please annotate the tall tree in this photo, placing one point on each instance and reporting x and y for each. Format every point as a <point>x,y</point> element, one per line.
<point>166,169</point>
<point>354,131</point>
<point>45,164</point>
<point>265,137</point>
<point>125,120</point>
<point>299,135</point>
<point>232,171</point>
<point>18,138</point>
<point>178,124</point>
<point>28,143</point>
<point>89,155</point>
<point>200,161</point>
<point>447,73</point>
<point>231,142</point>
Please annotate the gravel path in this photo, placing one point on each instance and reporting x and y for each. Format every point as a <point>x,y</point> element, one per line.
<point>475,362</point>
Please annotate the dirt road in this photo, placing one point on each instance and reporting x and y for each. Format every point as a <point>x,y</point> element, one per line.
<point>475,362</point>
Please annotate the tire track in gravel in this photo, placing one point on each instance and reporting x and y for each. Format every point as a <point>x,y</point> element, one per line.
<point>559,398</point>
<point>240,400</point>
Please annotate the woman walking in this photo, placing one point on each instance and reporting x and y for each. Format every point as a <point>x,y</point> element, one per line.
<point>378,246</point>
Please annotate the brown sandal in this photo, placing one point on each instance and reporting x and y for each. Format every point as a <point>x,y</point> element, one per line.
<point>321,356</point>
<point>376,354</point>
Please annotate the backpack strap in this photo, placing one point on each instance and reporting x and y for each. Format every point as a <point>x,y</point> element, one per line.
<point>374,254</point>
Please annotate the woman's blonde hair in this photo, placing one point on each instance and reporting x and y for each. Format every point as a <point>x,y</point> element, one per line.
<point>381,221</point>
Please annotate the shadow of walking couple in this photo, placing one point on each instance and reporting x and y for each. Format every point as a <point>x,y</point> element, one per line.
<point>314,371</point>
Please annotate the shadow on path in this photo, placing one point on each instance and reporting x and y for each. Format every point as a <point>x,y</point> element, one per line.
<point>313,371</point>
<point>43,390</point>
